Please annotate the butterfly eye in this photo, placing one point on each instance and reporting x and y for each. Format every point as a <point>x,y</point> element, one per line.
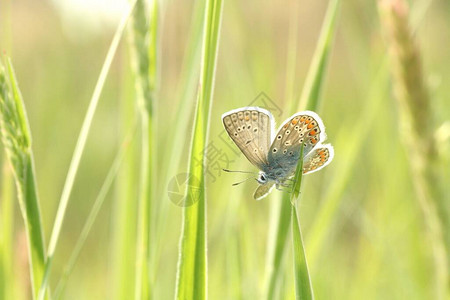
<point>263,178</point>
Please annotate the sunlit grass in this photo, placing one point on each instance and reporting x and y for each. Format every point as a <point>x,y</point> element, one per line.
<point>355,232</point>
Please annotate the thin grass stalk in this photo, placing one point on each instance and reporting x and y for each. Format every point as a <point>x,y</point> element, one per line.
<point>309,99</point>
<point>416,122</point>
<point>16,138</point>
<point>7,281</point>
<point>192,262</point>
<point>98,203</point>
<point>79,148</point>
<point>143,43</point>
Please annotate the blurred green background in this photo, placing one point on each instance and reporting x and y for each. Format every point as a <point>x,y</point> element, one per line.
<point>372,244</point>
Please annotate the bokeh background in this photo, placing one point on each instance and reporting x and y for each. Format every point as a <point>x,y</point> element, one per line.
<point>363,228</point>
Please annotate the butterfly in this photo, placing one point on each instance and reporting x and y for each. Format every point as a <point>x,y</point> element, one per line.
<point>252,130</point>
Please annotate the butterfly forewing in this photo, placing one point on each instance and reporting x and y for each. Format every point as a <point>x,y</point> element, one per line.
<point>304,128</point>
<point>318,158</point>
<point>250,129</point>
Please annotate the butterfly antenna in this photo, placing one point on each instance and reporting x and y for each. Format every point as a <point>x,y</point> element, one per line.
<point>231,171</point>
<point>242,181</point>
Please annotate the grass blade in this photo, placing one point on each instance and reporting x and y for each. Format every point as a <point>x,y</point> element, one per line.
<point>186,93</point>
<point>192,263</point>
<point>308,100</point>
<point>17,141</point>
<point>316,75</point>
<point>303,285</point>
<point>143,44</point>
<point>302,282</point>
<point>79,148</point>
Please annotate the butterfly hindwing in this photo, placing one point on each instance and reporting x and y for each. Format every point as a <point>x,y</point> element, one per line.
<point>250,128</point>
<point>302,128</point>
<point>263,190</point>
<point>318,158</point>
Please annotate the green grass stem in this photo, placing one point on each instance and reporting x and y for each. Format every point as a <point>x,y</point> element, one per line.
<point>192,263</point>
<point>143,43</point>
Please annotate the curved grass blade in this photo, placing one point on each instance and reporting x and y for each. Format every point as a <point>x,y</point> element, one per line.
<point>16,138</point>
<point>79,148</point>
<point>192,263</point>
<point>110,177</point>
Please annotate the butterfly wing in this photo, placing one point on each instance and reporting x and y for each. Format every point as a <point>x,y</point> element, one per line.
<point>318,158</point>
<point>302,128</point>
<point>263,190</point>
<point>250,128</point>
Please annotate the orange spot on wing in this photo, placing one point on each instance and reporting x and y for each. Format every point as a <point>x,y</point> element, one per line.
<point>313,140</point>
<point>286,126</point>
<point>302,119</point>
<point>310,125</point>
<point>247,118</point>
<point>307,121</point>
<point>295,121</point>
<point>313,132</point>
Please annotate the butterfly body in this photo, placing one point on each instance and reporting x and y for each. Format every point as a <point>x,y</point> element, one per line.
<point>276,156</point>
